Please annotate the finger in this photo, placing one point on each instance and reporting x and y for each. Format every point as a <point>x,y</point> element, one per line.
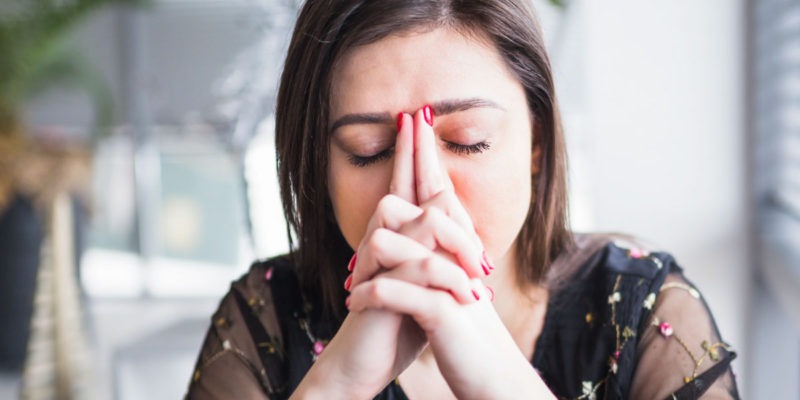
<point>427,169</point>
<point>436,273</point>
<point>426,306</point>
<point>384,249</point>
<point>402,184</point>
<point>433,229</point>
<point>391,213</point>
<point>482,291</point>
<point>447,201</point>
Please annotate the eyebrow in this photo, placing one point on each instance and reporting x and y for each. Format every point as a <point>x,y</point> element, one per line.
<point>443,107</point>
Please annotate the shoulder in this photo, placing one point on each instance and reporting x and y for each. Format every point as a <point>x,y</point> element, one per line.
<point>244,340</point>
<point>596,315</point>
<point>612,264</point>
<point>621,283</point>
<point>612,306</point>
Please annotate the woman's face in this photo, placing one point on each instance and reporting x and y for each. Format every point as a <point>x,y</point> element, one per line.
<point>476,98</point>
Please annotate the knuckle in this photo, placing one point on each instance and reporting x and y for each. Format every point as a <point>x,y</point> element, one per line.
<point>463,282</point>
<point>445,196</point>
<point>432,215</point>
<point>385,206</point>
<point>428,266</point>
<point>377,291</point>
<point>377,241</point>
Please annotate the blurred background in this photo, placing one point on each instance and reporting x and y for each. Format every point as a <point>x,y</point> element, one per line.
<point>137,173</point>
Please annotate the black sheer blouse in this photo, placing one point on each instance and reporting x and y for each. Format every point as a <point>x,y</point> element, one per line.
<point>626,324</point>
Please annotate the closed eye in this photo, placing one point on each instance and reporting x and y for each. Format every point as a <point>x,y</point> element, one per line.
<point>365,161</point>
<point>462,149</point>
<point>466,149</point>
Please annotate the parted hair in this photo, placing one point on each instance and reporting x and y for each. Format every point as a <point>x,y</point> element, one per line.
<point>325,30</point>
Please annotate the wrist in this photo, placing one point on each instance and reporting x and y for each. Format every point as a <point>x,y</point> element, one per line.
<point>517,380</point>
<point>326,381</point>
<point>528,385</point>
<point>319,383</point>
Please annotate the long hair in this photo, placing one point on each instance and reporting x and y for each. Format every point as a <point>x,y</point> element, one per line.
<point>324,31</point>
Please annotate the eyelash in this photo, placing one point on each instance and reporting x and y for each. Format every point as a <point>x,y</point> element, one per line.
<point>361,162</point>
<point>461,149</point>
<point>465,149</point>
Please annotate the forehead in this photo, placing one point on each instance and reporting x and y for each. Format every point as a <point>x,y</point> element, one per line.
<point>404,72</point>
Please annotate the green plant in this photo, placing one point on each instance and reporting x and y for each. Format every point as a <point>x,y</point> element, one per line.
<point>34,56</point>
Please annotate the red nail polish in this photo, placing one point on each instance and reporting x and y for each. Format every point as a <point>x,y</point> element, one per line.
<point>491,293</point>
<point>399,121</point>
<point>475,294</point>
<point>352,264</point>
<point>348,282</point>
<point>485,261</point>
<point>427,113</point>
<point>486,270</point>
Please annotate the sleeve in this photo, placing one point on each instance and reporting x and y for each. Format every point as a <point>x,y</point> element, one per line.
<point>680,354</point>
<point>239,358</point>
<point>223,372</point>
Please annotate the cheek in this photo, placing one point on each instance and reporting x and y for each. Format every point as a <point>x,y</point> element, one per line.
<point>355,193</point>
<point>497,196</point>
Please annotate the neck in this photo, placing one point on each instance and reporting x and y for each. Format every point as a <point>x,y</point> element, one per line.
<point>521,307</point>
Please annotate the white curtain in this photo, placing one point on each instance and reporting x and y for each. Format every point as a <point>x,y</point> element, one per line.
<point>775,105</point>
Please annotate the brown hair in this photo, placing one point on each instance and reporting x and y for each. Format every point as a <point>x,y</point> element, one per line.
<point>324,31</point>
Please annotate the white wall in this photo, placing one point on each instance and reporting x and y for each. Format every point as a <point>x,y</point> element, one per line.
<point>663,134</point>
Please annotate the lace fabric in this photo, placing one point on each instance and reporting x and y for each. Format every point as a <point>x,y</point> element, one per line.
<point>680,351</point>
<point>626,324</point>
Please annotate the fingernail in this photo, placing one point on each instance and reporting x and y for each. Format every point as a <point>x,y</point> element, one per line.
<point>427,113</point>
<point>399,121</point>
<point>486,270</point>
<point>347,302</point>
<point>348,282</point>
<point>352,264</point>
<point>485,261</point>
<point>491,293</point>
<point>476,295</point>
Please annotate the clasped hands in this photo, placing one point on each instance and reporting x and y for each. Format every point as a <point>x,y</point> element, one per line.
<point>415,281</point>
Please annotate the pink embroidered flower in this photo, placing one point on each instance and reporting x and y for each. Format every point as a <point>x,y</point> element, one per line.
<point>635,253</point>
<point>616,354</point>
<point>666,329</point>
<point>318,347</point>
<point>268,275</point>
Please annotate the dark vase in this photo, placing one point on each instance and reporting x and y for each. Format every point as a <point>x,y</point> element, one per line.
<point>21,234</point>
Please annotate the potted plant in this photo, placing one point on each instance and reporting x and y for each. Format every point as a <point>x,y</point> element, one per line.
<point>34,56</point>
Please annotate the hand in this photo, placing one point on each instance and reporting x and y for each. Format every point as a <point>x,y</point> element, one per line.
<point>440,224</point>
<point>372,347</point>
<point>473,350</point>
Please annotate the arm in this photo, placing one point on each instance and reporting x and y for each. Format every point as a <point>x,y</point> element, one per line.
<point>228,366</point>
<point>680,351</point>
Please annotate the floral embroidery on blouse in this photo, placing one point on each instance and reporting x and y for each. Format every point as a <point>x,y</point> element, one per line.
<point>587,349</point>
<point>623,334</point>
<point>710,350</point>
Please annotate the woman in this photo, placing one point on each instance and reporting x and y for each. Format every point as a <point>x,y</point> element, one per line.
<point>420,140</point>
